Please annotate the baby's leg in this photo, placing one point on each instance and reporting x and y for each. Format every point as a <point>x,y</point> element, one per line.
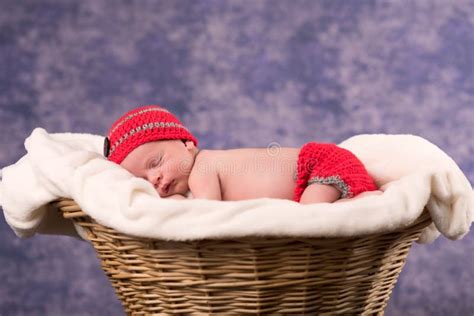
<point>320,193</point>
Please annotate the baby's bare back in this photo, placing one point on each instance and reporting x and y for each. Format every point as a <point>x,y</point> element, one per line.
<point>251,173</point>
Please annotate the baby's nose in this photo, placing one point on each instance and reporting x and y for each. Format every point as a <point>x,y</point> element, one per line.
<point>154,179</point>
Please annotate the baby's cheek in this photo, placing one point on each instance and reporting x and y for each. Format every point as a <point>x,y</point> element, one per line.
<point>184,167</point>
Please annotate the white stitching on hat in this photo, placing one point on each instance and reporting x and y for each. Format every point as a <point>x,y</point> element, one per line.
<point>143,128</point>
<point>129,117</point>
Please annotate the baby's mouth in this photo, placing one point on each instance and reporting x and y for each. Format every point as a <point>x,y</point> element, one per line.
<point>167,187</point>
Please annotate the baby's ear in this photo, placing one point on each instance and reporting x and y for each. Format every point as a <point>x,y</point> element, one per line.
<point>188,143</point>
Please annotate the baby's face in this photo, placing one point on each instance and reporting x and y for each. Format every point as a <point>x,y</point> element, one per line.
<point>166,164</point>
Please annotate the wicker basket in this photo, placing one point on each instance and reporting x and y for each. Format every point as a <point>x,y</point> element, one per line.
<point>252,275</point>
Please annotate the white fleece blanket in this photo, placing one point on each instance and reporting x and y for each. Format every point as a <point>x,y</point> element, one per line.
<point>412,172</point>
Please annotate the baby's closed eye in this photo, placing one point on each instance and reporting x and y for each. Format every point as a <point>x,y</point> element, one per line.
<point>155,163</point>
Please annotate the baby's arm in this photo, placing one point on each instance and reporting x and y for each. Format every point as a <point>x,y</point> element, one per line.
<point>205,185</point>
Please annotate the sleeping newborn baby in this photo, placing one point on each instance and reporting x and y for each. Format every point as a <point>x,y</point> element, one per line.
<point>151,143</point>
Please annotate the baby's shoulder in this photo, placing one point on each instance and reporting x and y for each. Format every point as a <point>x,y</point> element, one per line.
<point>210,162</point>
<point>204,164</point>
<point>209,156</point>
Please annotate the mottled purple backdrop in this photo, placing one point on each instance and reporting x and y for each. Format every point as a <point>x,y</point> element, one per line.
<point>239,74</point>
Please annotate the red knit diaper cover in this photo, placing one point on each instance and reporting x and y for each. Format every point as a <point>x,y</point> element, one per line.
<point>330,164</point>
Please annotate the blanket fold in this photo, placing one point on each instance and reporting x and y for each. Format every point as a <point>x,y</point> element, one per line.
<point>412,172</point>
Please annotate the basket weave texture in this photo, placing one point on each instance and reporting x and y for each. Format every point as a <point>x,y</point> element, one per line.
<point>251,275</point>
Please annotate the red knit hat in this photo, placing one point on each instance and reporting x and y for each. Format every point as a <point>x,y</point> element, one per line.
<point>142,125</point>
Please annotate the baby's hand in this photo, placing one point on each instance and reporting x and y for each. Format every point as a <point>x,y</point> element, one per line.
<point>175,197</point>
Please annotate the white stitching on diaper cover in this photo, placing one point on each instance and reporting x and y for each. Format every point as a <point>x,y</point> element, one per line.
<point>129,117</point>
<point>337,181</point>
<point>144,127</point>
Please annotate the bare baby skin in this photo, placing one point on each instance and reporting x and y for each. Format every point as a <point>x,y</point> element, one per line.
<point>175,167</point>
